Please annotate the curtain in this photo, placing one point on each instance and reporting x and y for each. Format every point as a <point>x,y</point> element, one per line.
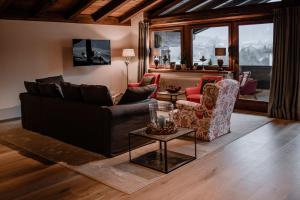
<point>284,93</point>
<point>143,49</point>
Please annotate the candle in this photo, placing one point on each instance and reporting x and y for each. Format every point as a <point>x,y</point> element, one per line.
<point>161,121</point>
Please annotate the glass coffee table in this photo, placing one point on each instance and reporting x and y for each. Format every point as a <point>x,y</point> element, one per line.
<point>162,159</point>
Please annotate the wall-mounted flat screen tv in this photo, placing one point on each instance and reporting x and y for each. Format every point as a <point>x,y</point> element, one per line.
<point>91,52</point>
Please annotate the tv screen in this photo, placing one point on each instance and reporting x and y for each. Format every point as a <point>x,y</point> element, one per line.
<point>91,52</point>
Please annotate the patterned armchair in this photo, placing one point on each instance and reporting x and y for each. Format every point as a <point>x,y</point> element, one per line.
<point>195,94</point>
<point>211,117</point>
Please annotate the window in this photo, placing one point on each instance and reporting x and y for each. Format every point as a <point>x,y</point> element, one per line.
<point>255,59</point>
<point>205,40</point>
<point>167,46</point>
<point>256,44</point>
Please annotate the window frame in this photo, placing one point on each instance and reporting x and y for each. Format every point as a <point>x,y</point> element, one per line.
<point>151,38</point>
<point>212,25</point>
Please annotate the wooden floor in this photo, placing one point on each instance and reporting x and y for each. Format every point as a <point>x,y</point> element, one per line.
<point>264,164</point>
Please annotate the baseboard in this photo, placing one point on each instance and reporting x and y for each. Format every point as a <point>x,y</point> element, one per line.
<point>10,113</point>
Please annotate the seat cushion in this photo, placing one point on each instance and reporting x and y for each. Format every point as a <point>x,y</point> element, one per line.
<point>194,98</point>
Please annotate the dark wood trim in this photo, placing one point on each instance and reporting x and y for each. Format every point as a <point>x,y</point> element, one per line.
<point>41,6</point>
<point>4,4</point>
<point>79,7</point>
<point>258,106</point>
<point>262,11</point>
<point>108,9</point>
<point>146,4</point>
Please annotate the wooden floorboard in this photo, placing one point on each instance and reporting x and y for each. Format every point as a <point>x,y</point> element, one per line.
<point>264,164</point>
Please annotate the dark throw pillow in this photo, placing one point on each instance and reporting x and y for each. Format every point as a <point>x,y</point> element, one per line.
<point>71,91</point>
<point>50,90</point>
<point>137,94</point>
<point>32,87</point>
<point>147,80</point>
<point>204,82</point>
<point>52,79</point>
<point>96,94</point>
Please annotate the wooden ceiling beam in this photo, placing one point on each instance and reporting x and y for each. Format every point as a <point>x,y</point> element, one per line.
<point>108,9</point>
<point>210,5</point>
<point>4,4</point>
<point>264,10</point>
<point>146,4</point>
<point>41,6</point>
<point>79,7</point>
<point>165,6</point>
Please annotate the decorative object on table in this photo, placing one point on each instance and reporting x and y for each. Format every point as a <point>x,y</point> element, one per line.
<point>156,56</point>
<point>161,115</point>
<point>172,96</point>
<point>195,66</point>
<point>178,67</point>
<point>173,88</point>
<point>220,53</point>
<point>128,54</point>
<point>183,63</point>
<point>172,65</point>
<point>210,62</point>
<point>203,59</point>
<point>168,129</point>
<point>165,59</point>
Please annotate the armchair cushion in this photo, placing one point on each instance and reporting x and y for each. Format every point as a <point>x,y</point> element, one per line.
<point>204,82</point>
<point>133,84</point>
<point>147,80</point>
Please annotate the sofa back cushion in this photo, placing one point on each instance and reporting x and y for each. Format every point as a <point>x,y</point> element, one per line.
<point>71,91</point>
<point>96,94</point>
<point>52,79</point>
<point>32,87</point>
<point>50,90</point>
<point>137,94</point>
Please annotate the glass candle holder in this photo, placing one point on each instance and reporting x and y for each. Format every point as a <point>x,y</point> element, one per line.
<point>161,113</point>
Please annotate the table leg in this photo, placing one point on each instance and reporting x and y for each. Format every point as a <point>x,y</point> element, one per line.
<point>195,138</point>
<point>166,157</point>
<point>129,146</point>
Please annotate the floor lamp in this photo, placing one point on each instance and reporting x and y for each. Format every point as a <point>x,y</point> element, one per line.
<point>128,54</point>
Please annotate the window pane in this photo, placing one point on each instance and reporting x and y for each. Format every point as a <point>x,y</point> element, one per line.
<point>168,44</point>
<point>255,59</point>
<point>205,40</point>
<point>256,44</point>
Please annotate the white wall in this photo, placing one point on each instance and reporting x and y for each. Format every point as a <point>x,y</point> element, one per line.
<point>30,50</point>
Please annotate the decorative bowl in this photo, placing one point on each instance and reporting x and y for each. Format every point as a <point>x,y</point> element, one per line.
<point>173,88</point>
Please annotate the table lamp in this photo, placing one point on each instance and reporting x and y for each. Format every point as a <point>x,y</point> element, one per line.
<point>156,54</point>
<point>220,52</point>
<point>128,54</point>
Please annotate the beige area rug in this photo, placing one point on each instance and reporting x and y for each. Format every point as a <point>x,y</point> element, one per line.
<point>117,172</point>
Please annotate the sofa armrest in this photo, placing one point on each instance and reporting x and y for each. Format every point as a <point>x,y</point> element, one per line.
<point>125,110</point>
<point>192,90</point>
<point>133,84</point>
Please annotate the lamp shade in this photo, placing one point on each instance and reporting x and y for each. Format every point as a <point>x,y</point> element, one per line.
<point>220,51</point>
<point>156,52</point>
<point>128,53</point>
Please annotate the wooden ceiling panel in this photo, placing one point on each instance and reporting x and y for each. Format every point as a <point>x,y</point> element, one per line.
<point>126,8</point>
<point>61,6</point>
<point>94,7</point>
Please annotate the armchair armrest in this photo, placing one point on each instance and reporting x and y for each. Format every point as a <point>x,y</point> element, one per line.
<point>192,90</point>
<point>133,84</point>
<point>187,105</point>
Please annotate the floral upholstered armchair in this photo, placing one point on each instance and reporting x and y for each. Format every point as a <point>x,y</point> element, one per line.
<point>211,117</point>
